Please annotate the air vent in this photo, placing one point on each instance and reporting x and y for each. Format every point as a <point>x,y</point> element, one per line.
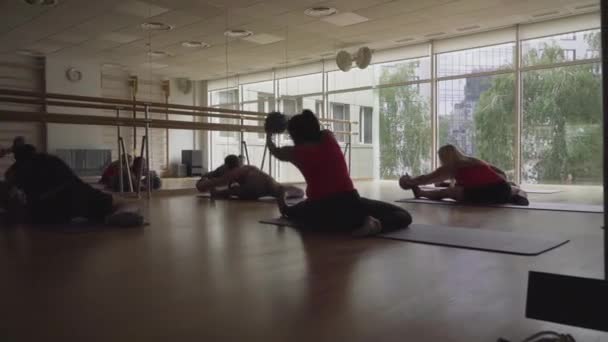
<point>158,54</point>
<point>41,2</point>
<point>192,44</point>
<point>319,12</point>
<point>404,40</point>
<point>156,26</point>
<point>468,28</point>
<point>435,34</point>
<point>30,53</point>
<point>238,33</point>
<point>589,6</point>
<point>545,14</point>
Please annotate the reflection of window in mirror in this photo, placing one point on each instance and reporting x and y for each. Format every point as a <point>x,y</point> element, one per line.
<point>228,99</point>
<point>340,111</point>
<point>265,105</point>
<point>365,125</point>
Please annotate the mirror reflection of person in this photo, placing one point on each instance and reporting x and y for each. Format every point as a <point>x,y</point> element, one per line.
<point>244,182</point>
<point>54,194</point>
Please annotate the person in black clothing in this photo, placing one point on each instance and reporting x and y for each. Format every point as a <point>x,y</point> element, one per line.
<point>219,172</point>
<point>55,194</point>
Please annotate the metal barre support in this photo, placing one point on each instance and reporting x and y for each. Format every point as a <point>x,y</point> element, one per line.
<point>148,180</point>
<point>120,160</point>
<point>245,150</point>
<point>126,162</point>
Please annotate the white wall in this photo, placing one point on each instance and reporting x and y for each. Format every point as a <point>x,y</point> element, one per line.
<point>62,136</point>
<point>20,73</point>
<point>180,139</point>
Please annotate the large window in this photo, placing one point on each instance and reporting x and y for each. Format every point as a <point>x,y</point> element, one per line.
<point>477,60</point>
<point>561,48</point>
<point>544,129</point>
<point>562,125</point>
<point>405,130</point>
<point>403,71</point>
<point>477,114</point>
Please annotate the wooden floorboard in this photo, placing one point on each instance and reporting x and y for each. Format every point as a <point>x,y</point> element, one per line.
<point>208,271</point>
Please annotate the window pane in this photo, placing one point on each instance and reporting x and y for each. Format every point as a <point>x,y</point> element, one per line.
<point>252,91</point>
<point>308,84</point>
<point>405,130</point>
<point>349,106</point>
<point>224,143</point>
<point>365,125</point>
<point>477,115</point>
<point>353,78</point>
<point>224,97</point>
<point>489,58</point>
<point>403,71</point>
<point>561,48</point>
<point>562,125</point>
<point>340,111</point>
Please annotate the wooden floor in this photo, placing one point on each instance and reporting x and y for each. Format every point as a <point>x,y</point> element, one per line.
<point>207,271</point>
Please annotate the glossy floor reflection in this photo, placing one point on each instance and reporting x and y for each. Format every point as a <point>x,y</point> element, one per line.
<point>207,271</point>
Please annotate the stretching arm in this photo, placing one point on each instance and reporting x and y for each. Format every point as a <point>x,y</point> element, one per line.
<point>439,175</point>
<point>281,153</point>
<point>229,177</point>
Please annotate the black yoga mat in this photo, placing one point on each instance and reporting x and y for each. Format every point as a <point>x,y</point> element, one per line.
<point>467,238</point>
<point>573,207</point>
<point>265,199</point>
<point>234,198</point>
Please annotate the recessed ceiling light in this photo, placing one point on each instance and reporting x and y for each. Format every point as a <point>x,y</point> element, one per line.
<point>30,53</point>
<point>41,2</point>
<point>158,54</point>
<point>193,44</point>
<point>318,12</point>
<point>238,33</point>
<point>156,26</point>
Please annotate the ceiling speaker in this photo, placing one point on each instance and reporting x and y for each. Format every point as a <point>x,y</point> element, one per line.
<point>362,58</point>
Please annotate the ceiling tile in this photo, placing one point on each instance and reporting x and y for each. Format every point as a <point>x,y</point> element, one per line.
<point>140,9</point>
<point>69,37</point>
<point>118,37</point>
<point>264,38</point>
<point>345,19</point>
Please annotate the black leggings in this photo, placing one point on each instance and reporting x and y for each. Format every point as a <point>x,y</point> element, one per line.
<point>346,212</point>
<point>75,200</point>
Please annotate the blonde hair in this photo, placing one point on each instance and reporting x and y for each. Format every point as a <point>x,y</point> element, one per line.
<point>450,154</point>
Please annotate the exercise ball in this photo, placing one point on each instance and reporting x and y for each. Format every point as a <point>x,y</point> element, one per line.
<point>275,123</point>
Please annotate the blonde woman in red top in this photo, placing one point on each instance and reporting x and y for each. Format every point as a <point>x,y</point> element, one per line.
<point>476,181</point>
<point>332,201</point>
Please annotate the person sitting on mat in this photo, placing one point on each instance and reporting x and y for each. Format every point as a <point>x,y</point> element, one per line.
<point>333,203</point>
<point>246,182</point>
<point>110,176</point>
<point>476,181</point>
<point>139,165</point>
<point>55,194</point>
<point>221,170</point>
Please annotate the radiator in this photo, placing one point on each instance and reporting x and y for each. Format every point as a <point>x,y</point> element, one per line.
<point>86,162</point>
